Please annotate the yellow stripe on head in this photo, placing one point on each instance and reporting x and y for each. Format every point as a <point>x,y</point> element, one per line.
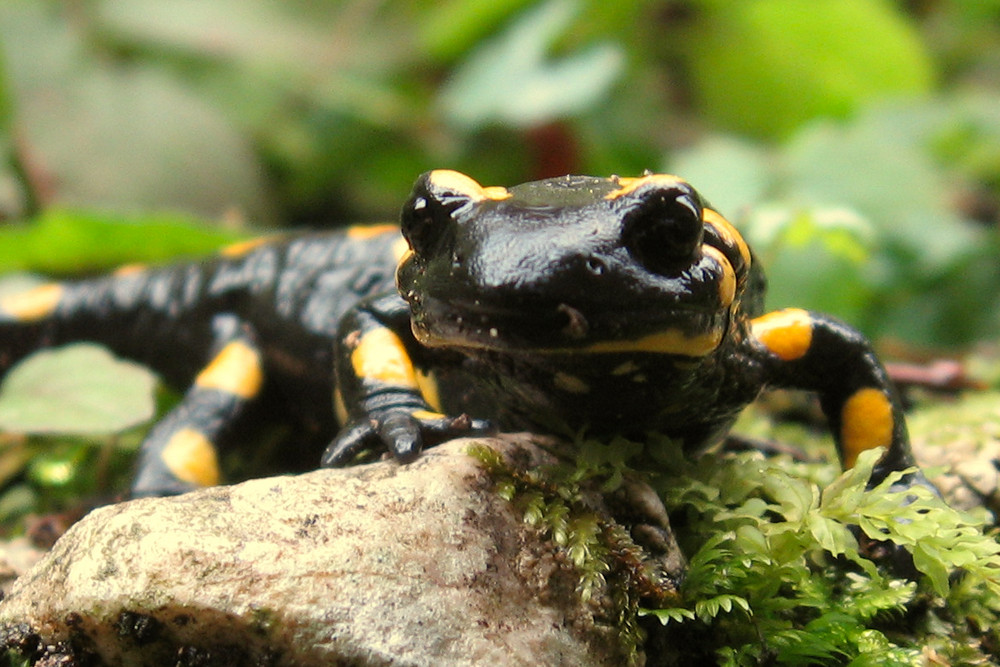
<point>866,422</point>
<point>241,248</point>
<point>727,285</point>
<point>448,179</point>
<point>786,333</point>
<point>129,270</point>
<point>236,369</point>
<point>627,186</point>
<point>33,304</point>
<point>671,341</point>
<point>728,233</point>
<point>190,456</point>
<point>362,232</point>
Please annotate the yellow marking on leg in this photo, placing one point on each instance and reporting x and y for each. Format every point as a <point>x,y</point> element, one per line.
<point>190,456</point>
<point>428,386</point>
<point>340,408</point>
<point>627,186</point>
<point>241,248</point>
<point>235,369</point>
<point>727,284</point>
<point>33,304</point>
<point>381,356</point>
<point>671,341</point>
<point>728,233</point>
<point>427,415</point>
<point>447,179</point>
<point>362,232</point>
<point>866,422</point>
<point>786,333</point>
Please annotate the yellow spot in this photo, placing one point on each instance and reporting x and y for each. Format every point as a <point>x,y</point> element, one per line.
<point>728,233</point>
<point>428,386</point>
<point>241,248</point>
<point>129,269</point>
<point>786,333</point>
<point>33,304</point>
<point>570,383</point>
<point>380,356</point>
<point>427,415</point>
<point>670,341</point>
<point>727,285</point>
<point>361,232</point>
<point>235,369</point>
<point>190,456</point>
<point>447,179</point>
<point>625,368</point>
<point>340,408</point>
<point>627,186</point>
<point>866,422</point>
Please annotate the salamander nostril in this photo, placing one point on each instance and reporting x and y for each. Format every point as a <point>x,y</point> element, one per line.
<point>595,266</point>
<point>576,327</point>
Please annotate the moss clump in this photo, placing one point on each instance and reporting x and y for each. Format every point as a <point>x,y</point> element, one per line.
<point>558,500</point>
<point>783,572</point>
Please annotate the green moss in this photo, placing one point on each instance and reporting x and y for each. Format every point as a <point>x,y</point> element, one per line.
<point>783,570</point>
<point>551,499</point>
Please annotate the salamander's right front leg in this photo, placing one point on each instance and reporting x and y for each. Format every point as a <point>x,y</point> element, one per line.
<point>383,399</point>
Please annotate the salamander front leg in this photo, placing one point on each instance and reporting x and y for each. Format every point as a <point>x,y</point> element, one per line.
<point>814,352</point>
<point>383,399</point>
<point>179,454</point>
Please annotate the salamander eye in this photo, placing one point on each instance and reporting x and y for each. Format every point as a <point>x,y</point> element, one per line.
<point>429,214</point>
<point>664,229</point>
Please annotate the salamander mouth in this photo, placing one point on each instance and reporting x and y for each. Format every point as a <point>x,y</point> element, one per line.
<point>561,327</point>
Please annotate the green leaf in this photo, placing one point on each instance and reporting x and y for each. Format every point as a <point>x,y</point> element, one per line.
<point>765,67</point>
<point>451,27</point>
<point>62,241</point>
<point>509,80</point>
<point>732,173</point>
<point>76,389</point>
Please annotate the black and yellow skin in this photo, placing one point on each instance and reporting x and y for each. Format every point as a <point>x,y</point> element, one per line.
<point>615,305</point>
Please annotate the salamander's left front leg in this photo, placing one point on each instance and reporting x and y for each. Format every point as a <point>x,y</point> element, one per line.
<point>814,352</point>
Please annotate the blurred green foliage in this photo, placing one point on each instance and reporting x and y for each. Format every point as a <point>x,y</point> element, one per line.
<point>857,141</point>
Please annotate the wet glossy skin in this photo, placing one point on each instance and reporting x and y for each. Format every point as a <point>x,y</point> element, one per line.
<point>613,305</point>
<point>587,301</point>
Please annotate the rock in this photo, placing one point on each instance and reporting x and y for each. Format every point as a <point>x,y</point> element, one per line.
<point>958,443</point>
<point>383,564</point>
<point>16,557</point>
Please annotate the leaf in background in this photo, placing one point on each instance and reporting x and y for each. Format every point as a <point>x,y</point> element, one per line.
<point>123,137</point>
<point>509,80</point>
<point>766,66</point>
<point>815,258</point>
<point>76,389</point>
<point>62,242</point>
<point>128,140</point>
<point>450,28</point>
<point>881,166</point>
<point>733,174</point>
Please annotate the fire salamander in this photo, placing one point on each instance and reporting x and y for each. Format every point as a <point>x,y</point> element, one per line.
<point>619,305</point>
